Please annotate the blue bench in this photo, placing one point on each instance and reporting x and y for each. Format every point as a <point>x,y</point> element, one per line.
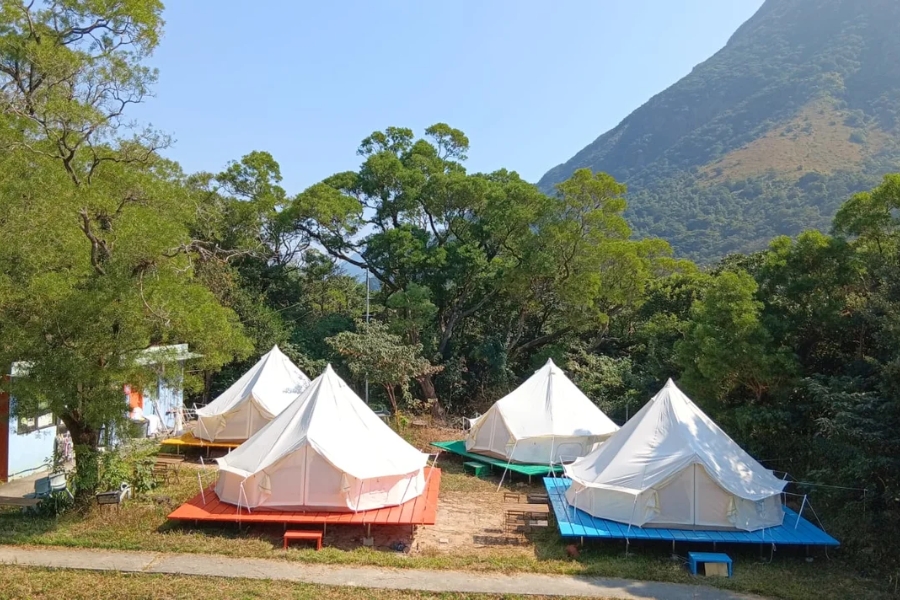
<point>696,558</point>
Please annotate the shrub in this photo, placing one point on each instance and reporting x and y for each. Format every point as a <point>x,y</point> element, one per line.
<point>56,503</point>
<point>134,467</point>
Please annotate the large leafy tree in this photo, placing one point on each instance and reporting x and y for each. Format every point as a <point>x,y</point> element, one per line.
<point>453,251</point>
<point>726,347</point>
<point>104,255</point>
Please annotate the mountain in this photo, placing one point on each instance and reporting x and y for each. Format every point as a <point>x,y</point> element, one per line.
<point>799,110</point>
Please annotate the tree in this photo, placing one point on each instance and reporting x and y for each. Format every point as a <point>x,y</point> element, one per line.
<point>726,348</point>
<point>486,247</point>
<point>104,260</point>
<point>383,358</point>
<point>580,267</point>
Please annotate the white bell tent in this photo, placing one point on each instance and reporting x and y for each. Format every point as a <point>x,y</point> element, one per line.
<point>252,401</point>
<point>326,451</point>
<point>545,420</point>
<point>672,466</point>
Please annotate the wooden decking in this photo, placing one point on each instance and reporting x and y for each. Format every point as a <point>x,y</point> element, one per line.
<point>188,440</point>
<point>418,511</point>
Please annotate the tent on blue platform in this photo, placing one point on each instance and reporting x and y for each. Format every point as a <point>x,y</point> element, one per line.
<point>672,466</point>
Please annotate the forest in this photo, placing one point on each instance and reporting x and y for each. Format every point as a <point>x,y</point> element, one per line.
<point>476,279</point>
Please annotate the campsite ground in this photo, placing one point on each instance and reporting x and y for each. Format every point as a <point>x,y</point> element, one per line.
<point>465,538</point>
<point>47,584</point>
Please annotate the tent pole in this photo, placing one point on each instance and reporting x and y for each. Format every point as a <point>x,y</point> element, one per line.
<point>552,447</point>
<point>502,477</point>
<point>802,505</point>
<point>367,330</point>
<point>200,483</point>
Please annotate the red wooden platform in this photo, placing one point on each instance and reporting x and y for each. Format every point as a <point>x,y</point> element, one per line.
<point>421,510</point>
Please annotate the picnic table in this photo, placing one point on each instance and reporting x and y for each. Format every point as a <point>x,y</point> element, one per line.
<point>166,467</point>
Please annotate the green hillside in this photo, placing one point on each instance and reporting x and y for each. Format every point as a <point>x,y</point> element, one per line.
<point>799,110</point>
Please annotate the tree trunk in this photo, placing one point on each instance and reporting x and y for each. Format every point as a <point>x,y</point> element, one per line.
<point>207,386</point>
<point>426,384</point>
<point>85,440</point>
<point>393,399</point>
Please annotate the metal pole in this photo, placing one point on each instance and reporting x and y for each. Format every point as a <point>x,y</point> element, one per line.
<point>367,322</point>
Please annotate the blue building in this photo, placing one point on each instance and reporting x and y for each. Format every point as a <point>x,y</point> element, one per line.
<point>27,443</point>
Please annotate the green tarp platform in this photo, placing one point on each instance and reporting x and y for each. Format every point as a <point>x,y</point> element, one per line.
<point>459,447</point>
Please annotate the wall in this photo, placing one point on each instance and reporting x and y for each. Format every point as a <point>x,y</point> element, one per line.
<point>30,452</point>
<point>171,392</point>
<point>167,394</point>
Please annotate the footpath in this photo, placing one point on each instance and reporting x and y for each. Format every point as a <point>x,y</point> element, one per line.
<point>357,576</point>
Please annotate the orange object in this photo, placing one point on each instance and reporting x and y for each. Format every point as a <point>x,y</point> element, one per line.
<point>315,536</point>
<point>421,510</point>
<point>135,398</point>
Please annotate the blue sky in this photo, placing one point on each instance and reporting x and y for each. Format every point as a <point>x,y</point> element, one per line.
<point>529,82</point>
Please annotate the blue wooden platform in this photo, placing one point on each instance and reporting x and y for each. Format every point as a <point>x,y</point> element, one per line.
<point>577,523</point>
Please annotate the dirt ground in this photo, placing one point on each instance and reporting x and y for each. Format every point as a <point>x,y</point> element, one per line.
<point>466,521</point>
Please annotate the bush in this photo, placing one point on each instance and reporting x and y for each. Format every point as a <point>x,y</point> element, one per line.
<point>134,467</point>
<point>55,504</point>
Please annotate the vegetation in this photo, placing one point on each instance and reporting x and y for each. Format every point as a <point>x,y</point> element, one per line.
<point>103,263</point>
<point>799,111</point>
<point>480,278</point>
<point>47,584</point>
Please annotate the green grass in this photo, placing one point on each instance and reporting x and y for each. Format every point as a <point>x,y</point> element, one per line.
<point>142,525</point>
<point>55,584</point>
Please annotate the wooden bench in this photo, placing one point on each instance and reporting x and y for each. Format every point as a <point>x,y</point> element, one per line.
<point>315,536</point>
<point>715,563</point>
<point>478,469</point>
<point>19,501</point>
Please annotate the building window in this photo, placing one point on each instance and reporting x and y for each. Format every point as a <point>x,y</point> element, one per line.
<point>42,421</point>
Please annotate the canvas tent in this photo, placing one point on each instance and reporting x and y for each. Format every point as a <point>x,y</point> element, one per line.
<point>327,451</point>
<point>252,401</point>
<point>672,466</point>
<point>546,419</point>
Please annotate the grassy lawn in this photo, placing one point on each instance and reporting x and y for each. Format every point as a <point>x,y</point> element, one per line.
<point>51,584</point>
<point>142,525</point>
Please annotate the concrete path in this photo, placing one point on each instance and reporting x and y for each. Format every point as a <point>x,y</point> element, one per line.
<point>370,577</point>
